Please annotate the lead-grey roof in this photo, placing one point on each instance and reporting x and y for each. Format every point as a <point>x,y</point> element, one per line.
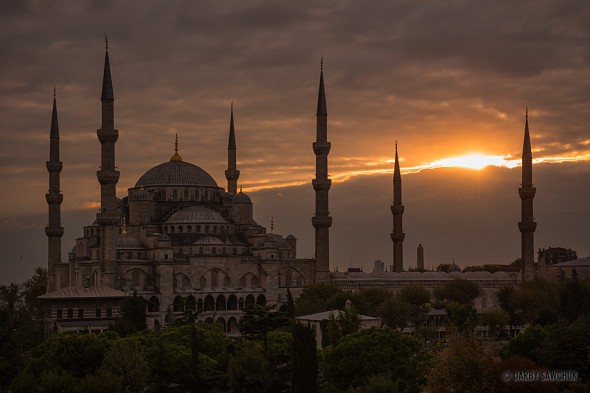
<point>196,215</point>
<point>176,173</point>
<point>83,293</point>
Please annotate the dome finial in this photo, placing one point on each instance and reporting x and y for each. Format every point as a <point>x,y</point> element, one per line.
<point>272,225</point>
<point>124,231</point>
<point>106,42</point>
<point>241,189</point>
<point>322,63</point>
<point>53,91</point>
<point>176,156</point>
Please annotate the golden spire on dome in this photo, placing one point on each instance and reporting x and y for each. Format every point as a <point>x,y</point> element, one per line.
<point>176,156</point>
<point>272,225</point>
<point>124,231</point>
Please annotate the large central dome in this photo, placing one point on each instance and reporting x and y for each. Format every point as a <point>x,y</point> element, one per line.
<point>176,173</point>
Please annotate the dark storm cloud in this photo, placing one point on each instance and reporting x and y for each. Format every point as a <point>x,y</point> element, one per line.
<point>443,78</point>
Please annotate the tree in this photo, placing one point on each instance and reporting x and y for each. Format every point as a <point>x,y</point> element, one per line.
<point>314,297</point>
<point>127,360</point>
<point>418,298</point>
<point>35,287</point>
<point>395,313</point>
<point>133,315</point>
<point>574,299</point>
<point>527,344</point>
<point>304,360</point>
<point>462,317</point>
<point>507,299</point>
<point>495,320</point>
<point>258,321</point>
<point>457,290</point>
<point>249,370</point>
<point>342,323</point>
<point>461,367</point>
<point>368,352</point>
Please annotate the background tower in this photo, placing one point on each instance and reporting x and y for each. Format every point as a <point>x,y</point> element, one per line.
<point>54,197</point>
<point>397,209</point>
<point>232,174</point>
<point>527,225</point>
<point>420,258</point>
<point>108,176</point>
<point>321,184</point>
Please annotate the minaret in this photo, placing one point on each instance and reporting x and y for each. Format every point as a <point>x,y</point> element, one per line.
<point>420,258</point>
<point>54,197</point>
<point>527,225</point>
<point>397,209</point>
<point>108,176</point>
<point>232,174</point>
<point>321,184</point>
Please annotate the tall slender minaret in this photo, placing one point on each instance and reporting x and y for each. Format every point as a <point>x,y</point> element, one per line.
<point>397,209</point>
<point>232,174</point>
<point>54,197</point>
<point>527,225</point>
<point>108,176</point>
<point>321,184</point>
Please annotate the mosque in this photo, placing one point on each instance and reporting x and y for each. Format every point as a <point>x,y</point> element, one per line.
<point>184,243</point>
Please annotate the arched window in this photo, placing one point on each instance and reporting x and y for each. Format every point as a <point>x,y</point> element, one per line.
<point>209,303</point>
<point>178,305</point>
<point>250,301</point>
<point>232,325</point>
<point>191,303</point>
<point>232,303</point>
<point>220,303</point>
<point>221,324</point>
<point>174,195</point>
<point>214,277</point>
<point>261,300</point>
<point>153,304</point>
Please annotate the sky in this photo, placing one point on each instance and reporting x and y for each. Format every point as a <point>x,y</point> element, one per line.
<point>444,79</point>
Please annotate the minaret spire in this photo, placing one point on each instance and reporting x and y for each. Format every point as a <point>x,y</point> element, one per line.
<point>527,191</point>
<point>108,176</point>
<point>397,209</point>
<point>232,174</point>
<point>321,184</point>
<point>54,197</point>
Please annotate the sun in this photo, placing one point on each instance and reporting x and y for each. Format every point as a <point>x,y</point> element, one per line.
<point>475,161</point>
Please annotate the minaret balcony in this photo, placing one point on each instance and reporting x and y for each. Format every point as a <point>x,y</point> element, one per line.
<point>54,231</point>
<point>527,192</point>
<point>397,209</point>
<point>321,184</point>
<point>321,148</point>
<point>54,199</point>
<point>321,221</point>
<point>107,135</point>
<point>398,237</point>
<point>527,226</point>
<point>54,166</point>
<point>232,174</point>
<point>108,218</point>
<point>107,176</point>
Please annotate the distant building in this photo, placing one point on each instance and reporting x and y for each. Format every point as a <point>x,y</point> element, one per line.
<point>379,266</point>
<point>420,258</point>
<point>579,269</point>
<point>553,255</point>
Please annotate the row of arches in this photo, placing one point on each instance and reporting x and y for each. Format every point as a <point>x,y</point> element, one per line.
<point>220,303</point>
<point>230,327</point>
<point>185,195</point>
<point>216,278</point>
<point>215,229</point>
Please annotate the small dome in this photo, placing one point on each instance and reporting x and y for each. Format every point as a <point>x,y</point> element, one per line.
<point>196,215</point>
<point>241,198</point>
<point>291,237</point>
<point>141,195</point>
<point>124,241</point>
<point>209,240</point>
<point>164,238</point>
<point>176,173</point>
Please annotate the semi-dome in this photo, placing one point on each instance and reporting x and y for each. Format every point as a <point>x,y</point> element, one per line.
<point>124,241</point>
<point>196,215</point>
<point>241,198</point>
<point>141,195</point>
<point>176,173</point>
